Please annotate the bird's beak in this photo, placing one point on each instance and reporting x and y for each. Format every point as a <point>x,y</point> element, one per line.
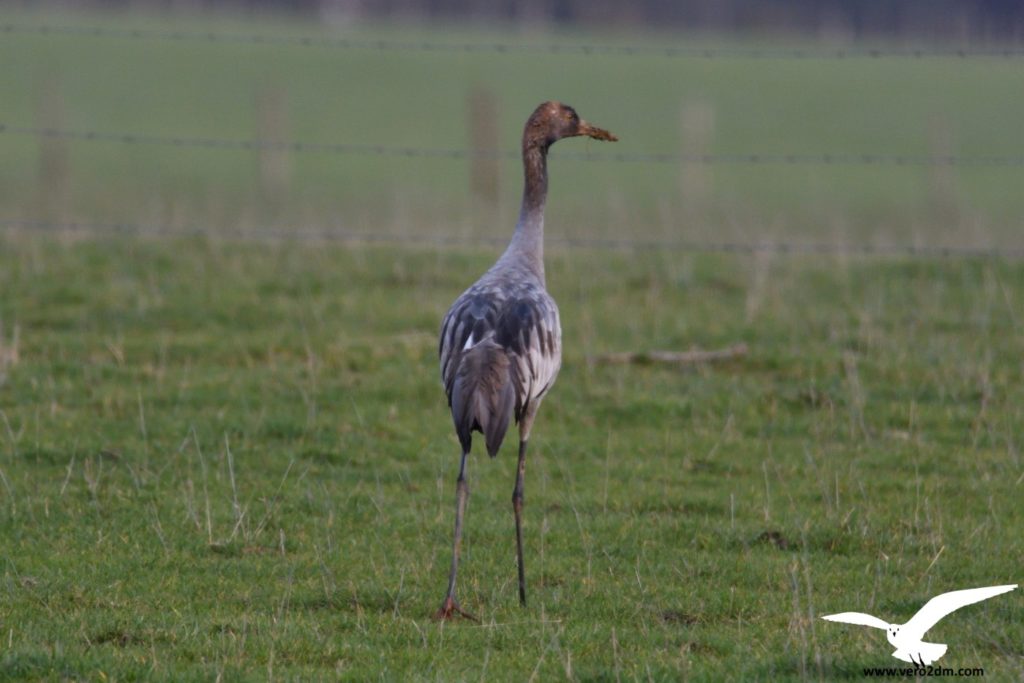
<point>595,132</point>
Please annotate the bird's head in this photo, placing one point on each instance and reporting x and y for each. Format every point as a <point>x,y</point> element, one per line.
<point>552,121</point>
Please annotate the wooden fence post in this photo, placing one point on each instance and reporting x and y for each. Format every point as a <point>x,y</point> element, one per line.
<point>941,175</point>
<point>697,133</point>
<point>54,171</point>
<point>484,169</point>
<point>274,156</point>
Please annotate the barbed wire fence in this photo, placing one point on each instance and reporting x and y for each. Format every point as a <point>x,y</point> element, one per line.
<point>754,158</point>
<point>273,142</point>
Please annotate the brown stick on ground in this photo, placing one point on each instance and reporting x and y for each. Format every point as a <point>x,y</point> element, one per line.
<point>675,357</point>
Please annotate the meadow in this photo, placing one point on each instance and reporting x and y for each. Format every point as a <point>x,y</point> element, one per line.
<point>228,459</point>
<point>231,459</point>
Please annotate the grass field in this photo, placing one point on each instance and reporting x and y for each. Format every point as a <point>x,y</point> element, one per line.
<point>230,459</point>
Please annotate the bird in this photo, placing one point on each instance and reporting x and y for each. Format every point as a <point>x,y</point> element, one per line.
<point>907,638</point>
<point>500,345</point>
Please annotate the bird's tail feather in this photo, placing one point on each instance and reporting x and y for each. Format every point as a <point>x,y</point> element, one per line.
<point>483,395</point>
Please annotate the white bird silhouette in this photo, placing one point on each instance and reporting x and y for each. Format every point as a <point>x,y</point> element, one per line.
<point>906,638</point>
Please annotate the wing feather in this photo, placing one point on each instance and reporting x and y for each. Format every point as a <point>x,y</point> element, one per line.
<point>858,618</point>
<point>529,330</point>
<point>473,315</point>
<point>941,605</point>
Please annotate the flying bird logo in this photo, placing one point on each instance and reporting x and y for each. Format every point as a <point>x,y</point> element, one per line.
<point>907,638</point>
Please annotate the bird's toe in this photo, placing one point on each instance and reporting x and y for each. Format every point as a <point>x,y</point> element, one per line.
<point>450,609</point>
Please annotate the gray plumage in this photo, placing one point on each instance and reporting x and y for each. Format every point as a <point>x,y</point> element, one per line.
<point>482,395</point>
<point>500,349</point>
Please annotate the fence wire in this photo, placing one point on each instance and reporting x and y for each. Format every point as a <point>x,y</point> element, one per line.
<point>587,50</point>
<point>748,158</point>
<point>333,234</point>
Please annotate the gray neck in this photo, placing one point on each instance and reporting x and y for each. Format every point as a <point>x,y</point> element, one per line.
<point>527,245</point>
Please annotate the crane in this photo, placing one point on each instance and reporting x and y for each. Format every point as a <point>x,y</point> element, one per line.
<point>501,341</point>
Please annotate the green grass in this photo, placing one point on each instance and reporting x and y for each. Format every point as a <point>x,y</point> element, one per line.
<point>970,107</point>
<point>227,459</point>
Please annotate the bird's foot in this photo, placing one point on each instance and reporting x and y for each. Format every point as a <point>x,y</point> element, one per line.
<point>450,609</point>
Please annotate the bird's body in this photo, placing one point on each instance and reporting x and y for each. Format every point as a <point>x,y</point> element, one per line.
<point>908,638</point>
<point>918,652</point>
<point>501,341</point>
<point>500,349</point>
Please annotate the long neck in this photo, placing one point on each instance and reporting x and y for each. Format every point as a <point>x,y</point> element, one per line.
<point>527,245</point>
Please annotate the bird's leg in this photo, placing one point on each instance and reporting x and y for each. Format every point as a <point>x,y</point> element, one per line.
<point>450,607</point>
<point>517,507</point>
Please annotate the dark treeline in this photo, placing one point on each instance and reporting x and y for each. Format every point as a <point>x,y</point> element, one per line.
<point>997,20</point>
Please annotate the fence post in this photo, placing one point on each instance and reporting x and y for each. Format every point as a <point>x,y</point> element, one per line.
<point>54,172</point>
<point>941,176</point>
<point>484,169</point>
<point>697,133</point>
<point>274,157</point>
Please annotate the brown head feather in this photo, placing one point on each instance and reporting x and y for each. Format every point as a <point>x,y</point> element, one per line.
<point>552,121</point>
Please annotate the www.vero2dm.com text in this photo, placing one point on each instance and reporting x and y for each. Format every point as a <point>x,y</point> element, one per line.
<point>923,672</point>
